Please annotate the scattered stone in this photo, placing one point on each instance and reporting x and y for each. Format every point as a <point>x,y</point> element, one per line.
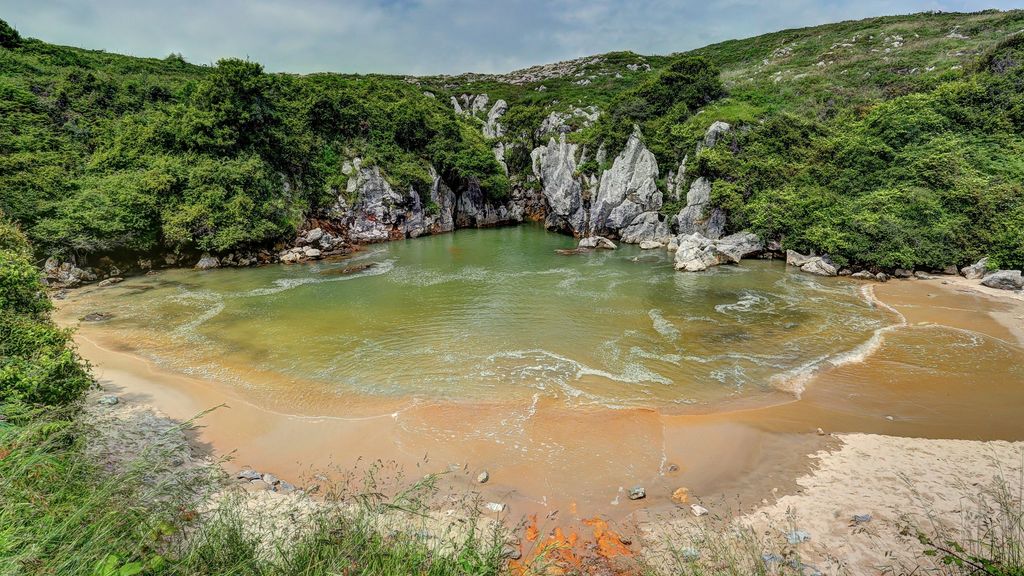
<point>861,518</point>
<point>1004,280</point>
<point>845,272</point>
<point>207,262</point>
<point>923,275</point>
<point>284,487</point>
<point>976,271</point>
<point>637,493</point>
<point>681,495</point>
<point>890,418</point>
<point>863,275</point>
<point>270,479</point>
<point>109,400</point>
<point>797,537</point>
<point>882,277</point>
<point>949,271</point>
<point>483,477</point>
<point>691,554</point>
<point>495,507</point>
<point>820,432</point>
<point>511,552</point>
<point>650,245</point>
<point>257,485</point>
<point>110,281</point>
<point>698,510</point>
<point>672,468</point>
<point>248,474</point>
<point>818,265</point>
<point>314,235</point>
<point>311,252</point>
<point>97,317</point>
<point>697,253</point>
<point>902,273</point>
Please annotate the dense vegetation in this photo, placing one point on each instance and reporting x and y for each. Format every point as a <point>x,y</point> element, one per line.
<point>884,142</point>
<point>102,153</point>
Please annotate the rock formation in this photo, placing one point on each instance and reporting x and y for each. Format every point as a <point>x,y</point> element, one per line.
<point>626,190</point>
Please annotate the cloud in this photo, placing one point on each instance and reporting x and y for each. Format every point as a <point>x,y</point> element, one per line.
<point>425,36</point>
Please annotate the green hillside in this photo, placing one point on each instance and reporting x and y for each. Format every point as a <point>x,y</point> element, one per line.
<point>884,142</point>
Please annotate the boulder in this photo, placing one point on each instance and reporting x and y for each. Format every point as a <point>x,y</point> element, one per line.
<point>650,245</point>
<point>627,189</point>
<point>903,273</point>
<point>291,257</point>
<point>207,262</point>
<point>882,277</point>
<point>976,271</point>
<point>648,226</point>
<point>314,235</point>
<point>483,477</point>
<point>863,275</point>
<point>637,493</point>
<point>312,253</point>
<point>597,242</point>
<point>697,253</point>
<point>1004,280</point>
<point>818,265</point>
<point>715,132</point>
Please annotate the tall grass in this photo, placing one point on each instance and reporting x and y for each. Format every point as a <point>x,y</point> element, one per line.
<point>63,512</point>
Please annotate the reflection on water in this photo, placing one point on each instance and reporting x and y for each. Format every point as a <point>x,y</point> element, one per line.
<point>494,315</point>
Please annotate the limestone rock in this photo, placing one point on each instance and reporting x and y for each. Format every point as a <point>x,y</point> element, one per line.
<point>863,275</point>
<point>637,493</point>
<point>697,253</point>
<point>207,262</point>
<point>627,189</point>
<point>555,167</point>
<point>648,226</point>
<point>493,128</point>
<point>715,133</point>
<point>976,271</point>
<point>651,245</point>
<point>811,264</point>
<point>597,242</point>
<point>698,215</point>
<point>1004,280</point>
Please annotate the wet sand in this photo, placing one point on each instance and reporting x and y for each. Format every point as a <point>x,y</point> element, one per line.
<point>920,382</point>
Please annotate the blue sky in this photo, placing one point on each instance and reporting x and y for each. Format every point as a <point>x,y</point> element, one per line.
<point>426,36</point>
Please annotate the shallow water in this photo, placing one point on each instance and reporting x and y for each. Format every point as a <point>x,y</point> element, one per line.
<point>492,315</point>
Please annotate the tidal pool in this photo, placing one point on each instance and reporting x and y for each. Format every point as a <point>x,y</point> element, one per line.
<point>493,315</point>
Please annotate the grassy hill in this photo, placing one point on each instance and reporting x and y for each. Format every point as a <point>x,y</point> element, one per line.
<point>885,142</point>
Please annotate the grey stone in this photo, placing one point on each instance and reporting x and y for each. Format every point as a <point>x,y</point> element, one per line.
<point>248,474</point>
<point>597,242</point>
<point>314,235</point>
<point>110,282</point>
<point>207,262</point>
<point>651,245</point>
<point>698,215</point>
<point>483,477</point>
<point>648,226</point>
<point>903,273</point>
<point>493,128</point>
<point>627,189</point>
<point>637,493</point>
<point>715,132</point>
<point>863,274</point>
<point>1004,280</point>
<point>109,400</point>
<point>976,271</point>
<point>697,253</point>
<point>555,168</point>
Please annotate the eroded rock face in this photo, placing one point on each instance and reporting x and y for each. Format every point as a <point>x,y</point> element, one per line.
<point>1004,280</point>
<point>207,262</point>
<point>493,128</point>
<point>373,214</point>
<point>555,166</point>
<point>696,253</point>
<point>627,189</point>
<point>698,216</point>
<point>647,227</point>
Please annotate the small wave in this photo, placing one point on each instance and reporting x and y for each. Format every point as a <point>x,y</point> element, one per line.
<point>663,326</point>
<point>795,381</point>
<point>748,302</point>
<point>282,284</point>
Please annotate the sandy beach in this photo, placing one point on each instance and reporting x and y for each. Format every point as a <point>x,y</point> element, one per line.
<point>891,442</point>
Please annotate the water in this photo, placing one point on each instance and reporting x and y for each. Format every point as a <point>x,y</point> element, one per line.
<point>491,315</point>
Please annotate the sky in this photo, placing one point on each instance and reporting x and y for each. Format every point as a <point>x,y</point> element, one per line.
<point>427,36</point>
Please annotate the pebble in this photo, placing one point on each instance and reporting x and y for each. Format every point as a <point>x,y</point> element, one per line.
<point>494,507</point>
<point>673,468</point>
<point>698,510</point>
<point>637,493</point>
<point>270,479</point>
<point>512,553</point>
<point>109,400</point>
<point>820,432</point>
<point>483,477</point>
<point>861,518</point>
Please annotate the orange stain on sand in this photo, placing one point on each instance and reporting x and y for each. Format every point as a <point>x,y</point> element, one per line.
<point>564,551</point>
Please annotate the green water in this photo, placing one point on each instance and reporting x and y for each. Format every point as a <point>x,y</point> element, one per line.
<point>491,315</point>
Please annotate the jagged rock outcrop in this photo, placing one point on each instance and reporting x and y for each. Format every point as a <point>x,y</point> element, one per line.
<point>440,216</point>
<point>696,253</point>
<point>555,166</point>
<point>818,265</point>
<point>647,227</point>
<point>66,274</point>
<point>627,189</point>
<point>675,180</point>
<point>373,215</point>
<point>698,216</point>
<point>1004,280</point>
<point>470,104</point>
<point>560,121</point>
<point>493,128</point>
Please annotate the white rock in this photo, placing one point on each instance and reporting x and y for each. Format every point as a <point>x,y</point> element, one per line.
<point>698,510</point>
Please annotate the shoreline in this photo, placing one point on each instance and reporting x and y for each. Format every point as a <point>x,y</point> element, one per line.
<point>753,455</point>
